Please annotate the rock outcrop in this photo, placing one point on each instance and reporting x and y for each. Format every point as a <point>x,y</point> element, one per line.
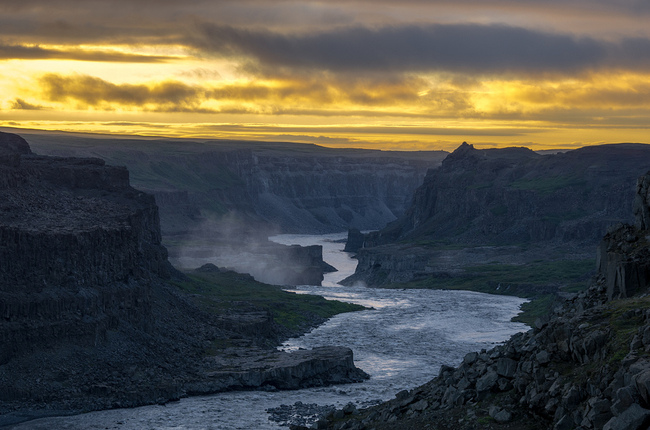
<point>91,314</point>
<point>276,370</point>
<point>513,200</point>
<point>268,262</point>
<point>514,195</point>
<point>587,367</point>
<point>75,243</point>
<point>624,252</point>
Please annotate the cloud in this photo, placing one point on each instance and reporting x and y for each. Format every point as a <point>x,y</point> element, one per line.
<point>283,96</point>
<point>20,104</point>
<point>38,53</point>
<point>466,48</point>
<point>93,91</point>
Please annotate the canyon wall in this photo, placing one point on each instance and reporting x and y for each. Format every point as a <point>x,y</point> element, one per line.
<point>514,195</point>
<point>586,366</point>
<point>298,188</point>
<point>76,242</point>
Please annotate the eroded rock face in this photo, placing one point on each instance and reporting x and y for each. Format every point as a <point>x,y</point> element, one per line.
<point>514,195</point>
<point>624,253</point>
<point>75,242</point>
<point>90,316</point>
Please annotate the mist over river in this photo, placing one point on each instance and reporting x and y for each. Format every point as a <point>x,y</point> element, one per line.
<point>401,342</point>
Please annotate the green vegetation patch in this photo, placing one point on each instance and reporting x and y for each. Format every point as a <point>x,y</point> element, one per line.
<point>538,280</point>
<point>547,185</point>
<point>624,322</point>
<point>223,292</point>
<point>522,280</point>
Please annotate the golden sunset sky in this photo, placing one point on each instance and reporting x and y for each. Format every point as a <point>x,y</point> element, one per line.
<point>387,74</point>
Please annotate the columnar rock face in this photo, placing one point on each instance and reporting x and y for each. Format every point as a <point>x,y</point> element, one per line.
<point>624,252</point>
<point>75,242</point>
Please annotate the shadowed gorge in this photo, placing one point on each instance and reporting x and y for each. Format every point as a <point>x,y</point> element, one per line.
<point>505,221</point>
<point>585,366</point>
<point>95,317</point>
<point>220,200</point>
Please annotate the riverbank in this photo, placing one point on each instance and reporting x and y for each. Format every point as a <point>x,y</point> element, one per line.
<point>401,343</point>
<point>541,274</point>
<point>237,323</point>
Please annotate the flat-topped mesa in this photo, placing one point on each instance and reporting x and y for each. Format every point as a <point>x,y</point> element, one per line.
<point>624,253</point>
<point>75,242</point>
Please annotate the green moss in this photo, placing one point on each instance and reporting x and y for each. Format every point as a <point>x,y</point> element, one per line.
<point>536,308</point>
<point>499,210</point>
<point>537,280</point>
<point>624,323</point>
<point>224,291</point>
<point>485,420</point>
<point>546,185</point>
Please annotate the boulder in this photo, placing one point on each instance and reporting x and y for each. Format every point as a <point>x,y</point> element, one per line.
<point>506,367</point>
<point>634,418</point>
<point>487,381</point>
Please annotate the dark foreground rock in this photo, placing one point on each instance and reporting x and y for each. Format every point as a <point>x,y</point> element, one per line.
<point>91,316</point>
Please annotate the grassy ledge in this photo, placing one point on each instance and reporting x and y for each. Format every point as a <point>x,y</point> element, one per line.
<point>538,281</point>
<point>226,292</point>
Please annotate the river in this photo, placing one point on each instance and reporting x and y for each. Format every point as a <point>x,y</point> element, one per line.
<point>401,342</point>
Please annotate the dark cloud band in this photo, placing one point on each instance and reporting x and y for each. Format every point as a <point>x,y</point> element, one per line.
<point>460,48</point>
<point>38,53</point>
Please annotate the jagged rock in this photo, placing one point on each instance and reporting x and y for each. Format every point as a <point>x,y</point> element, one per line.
<point>355,241</point>
<point>470,358</point>
<point>633,418</point>
<point>420,405</point>
<point>642,203</point>
<point>623,399</point>
<point>543,357</point>
<point>599,412</point>
<point>506,367</point>
<point>642,383</point>
<point>564,423</point>
<point>487,381</point>
<point>500,415</point>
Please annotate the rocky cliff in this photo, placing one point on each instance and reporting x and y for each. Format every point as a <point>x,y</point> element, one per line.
<point>75,242</point>
<point>507,206</point>
<point>587,367</point>
<point>514,195</point>
<point>299,188</point>
<point>92,315</point>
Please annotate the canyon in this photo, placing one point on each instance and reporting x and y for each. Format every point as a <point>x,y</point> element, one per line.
<point>585,366</point>
<point>511,212</point>
<point>94,316</point>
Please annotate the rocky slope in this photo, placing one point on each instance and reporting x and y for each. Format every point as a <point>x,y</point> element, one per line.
<point>91,315</point>
<point>587,367</point>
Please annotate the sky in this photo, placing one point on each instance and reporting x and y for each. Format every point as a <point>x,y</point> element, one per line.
<point>385,74</point>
